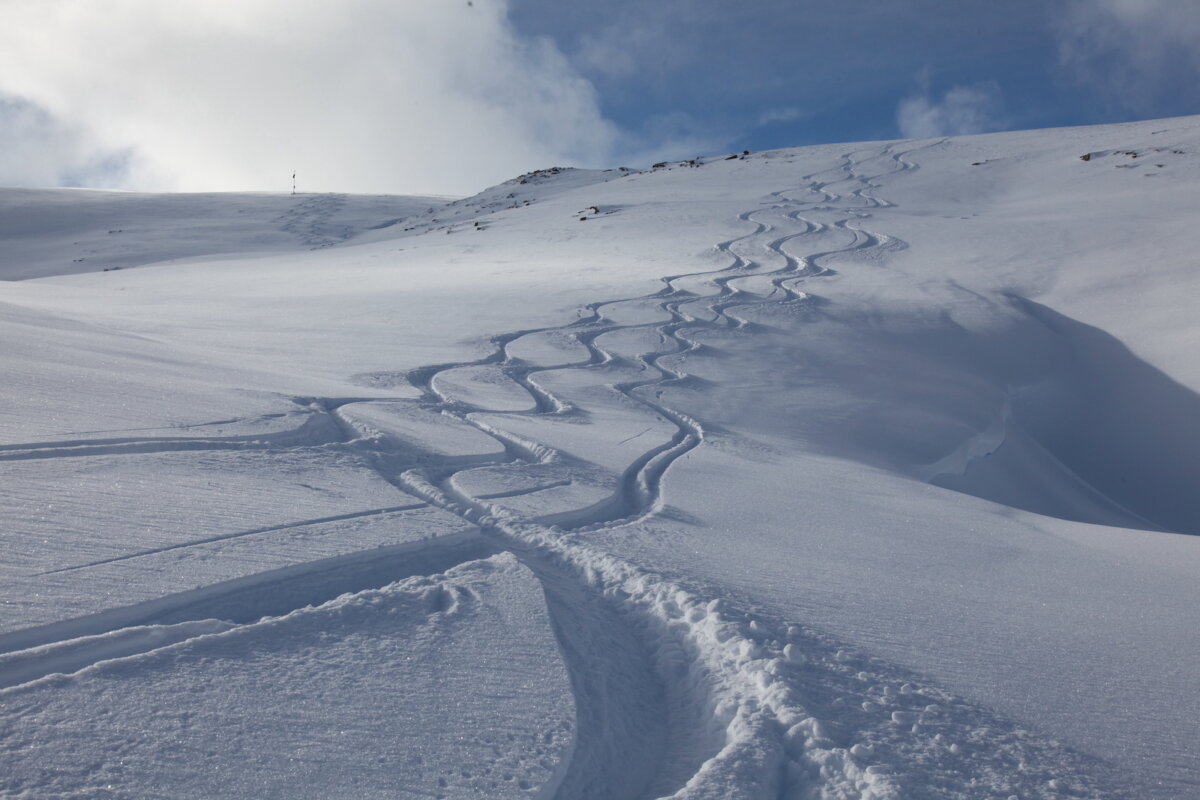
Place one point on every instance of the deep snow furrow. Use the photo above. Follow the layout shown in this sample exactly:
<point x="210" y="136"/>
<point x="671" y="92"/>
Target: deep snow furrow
<point x="628" y="707"/>
<point x="737" y="727"/>
<point x="545" y="401"/>
<point x="73" y="655"/>
<point x="724" y="247"/>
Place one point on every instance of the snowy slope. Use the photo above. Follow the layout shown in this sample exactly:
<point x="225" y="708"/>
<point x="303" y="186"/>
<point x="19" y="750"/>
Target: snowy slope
<point x="845" y="471"/>
<point x="64" y="231"/>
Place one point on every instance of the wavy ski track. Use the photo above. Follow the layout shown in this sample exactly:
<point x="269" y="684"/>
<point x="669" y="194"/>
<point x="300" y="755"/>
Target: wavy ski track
<point x="675" y="697"/>
<point x="737" y="728"/>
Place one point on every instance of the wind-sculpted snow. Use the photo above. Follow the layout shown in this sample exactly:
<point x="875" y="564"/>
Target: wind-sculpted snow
<point x="634" y="587"/>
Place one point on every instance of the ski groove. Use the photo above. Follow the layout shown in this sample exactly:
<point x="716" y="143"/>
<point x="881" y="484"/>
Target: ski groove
<point x="373" y="512"/>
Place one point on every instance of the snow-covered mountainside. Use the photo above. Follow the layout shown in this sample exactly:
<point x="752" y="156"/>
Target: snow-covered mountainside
<point x="64" y="231"/>
<point x="851" y="471"/>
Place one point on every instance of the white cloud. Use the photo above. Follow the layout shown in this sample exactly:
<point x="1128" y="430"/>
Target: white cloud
<point x="357" y="95"/>
<point x="1137" y="53"/>
<point x="961" y="110"/>
<point x="613" y="52"/>
<point x="37" y="150"/>
<point x="638" y="41"/>
<point x="773" y="115"/>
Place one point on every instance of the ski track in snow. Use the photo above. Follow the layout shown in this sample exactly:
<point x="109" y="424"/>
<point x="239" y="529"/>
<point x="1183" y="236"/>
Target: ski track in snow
<point x="676" y="695"/>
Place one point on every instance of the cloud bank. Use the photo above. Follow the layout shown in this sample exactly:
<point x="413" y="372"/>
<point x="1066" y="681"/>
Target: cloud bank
<point x="1139" y="54"/>
<point x="420" y="96"/>
<point x="38" y="150"/>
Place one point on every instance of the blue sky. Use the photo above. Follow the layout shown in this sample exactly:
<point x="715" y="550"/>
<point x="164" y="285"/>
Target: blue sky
<point x="774" y="73"/>
<point x="448" y="96"/>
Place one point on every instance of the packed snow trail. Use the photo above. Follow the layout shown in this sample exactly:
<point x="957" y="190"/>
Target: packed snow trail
<point x="676" y="695"/>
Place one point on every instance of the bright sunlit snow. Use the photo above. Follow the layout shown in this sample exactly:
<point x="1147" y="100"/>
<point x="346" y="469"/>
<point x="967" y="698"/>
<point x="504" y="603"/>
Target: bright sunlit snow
<point x="850" y="471"/>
